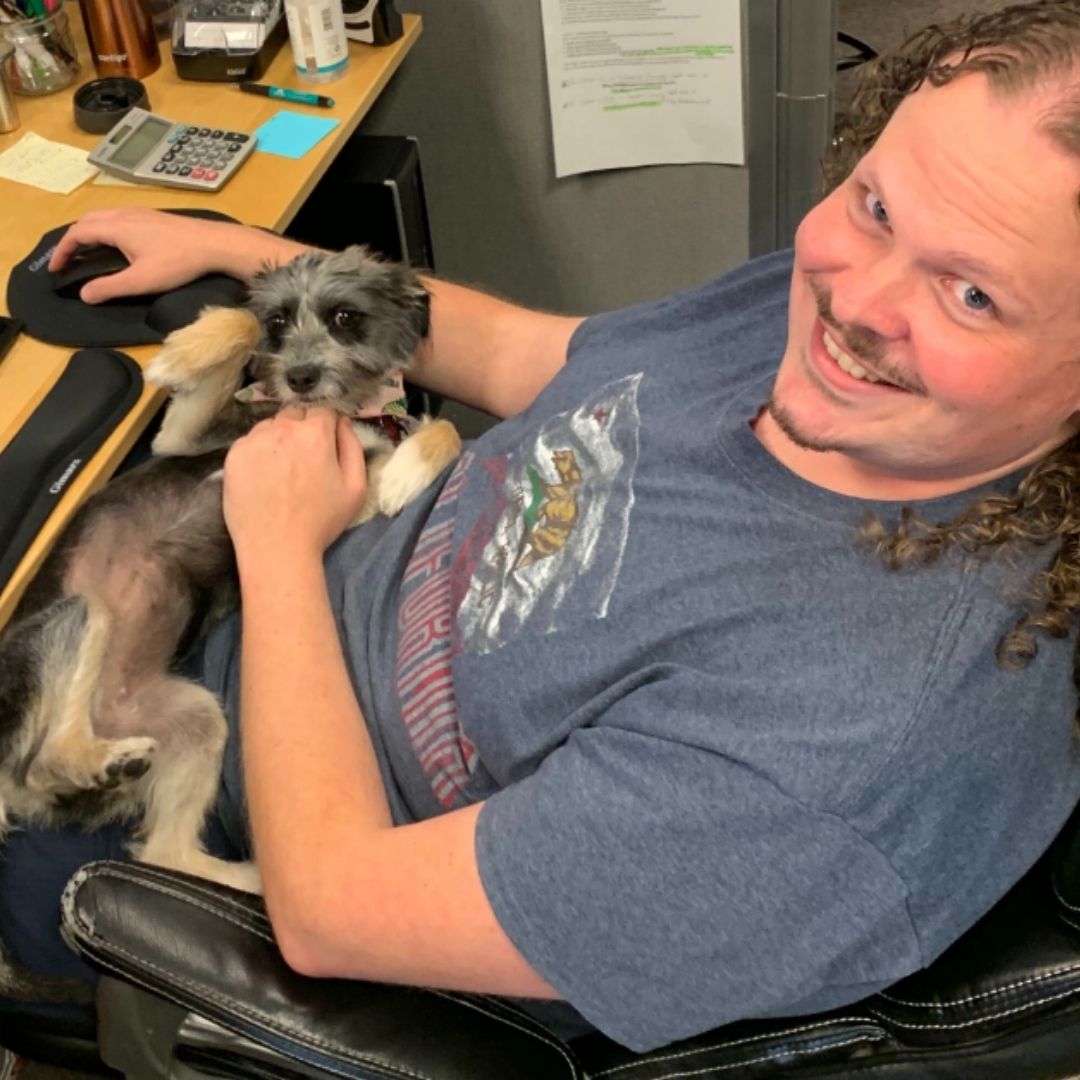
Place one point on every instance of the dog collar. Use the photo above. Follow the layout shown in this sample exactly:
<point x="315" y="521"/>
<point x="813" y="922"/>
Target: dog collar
<point x="387" y="410"/>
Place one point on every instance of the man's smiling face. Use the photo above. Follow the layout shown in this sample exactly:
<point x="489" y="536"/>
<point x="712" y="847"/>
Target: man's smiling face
<point x="934" y="330"/>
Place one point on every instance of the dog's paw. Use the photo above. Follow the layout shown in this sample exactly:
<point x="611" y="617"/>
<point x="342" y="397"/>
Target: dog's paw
<point x="127" y="760"/>
<point x="218" y="337"/>
<point x="415" y="464"/>
<point x="175" y="368"/>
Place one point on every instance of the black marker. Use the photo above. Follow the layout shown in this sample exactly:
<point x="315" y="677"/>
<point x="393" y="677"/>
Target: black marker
<point x="285" y="94"/>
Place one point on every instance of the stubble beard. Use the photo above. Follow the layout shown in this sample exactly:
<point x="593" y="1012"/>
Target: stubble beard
<point x="784" y="420"/>
<point x="859" y="343"/>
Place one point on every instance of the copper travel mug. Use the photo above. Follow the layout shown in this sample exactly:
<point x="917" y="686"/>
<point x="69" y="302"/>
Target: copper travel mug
<point x="121" y="37"/>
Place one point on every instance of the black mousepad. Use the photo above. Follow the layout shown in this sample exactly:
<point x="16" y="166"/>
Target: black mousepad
<point x="93" y="394"/>
<point x="130" y="320"/>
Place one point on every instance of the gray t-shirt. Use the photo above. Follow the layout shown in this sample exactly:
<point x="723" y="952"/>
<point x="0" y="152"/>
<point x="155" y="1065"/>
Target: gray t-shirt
<point x="733" y="767"/>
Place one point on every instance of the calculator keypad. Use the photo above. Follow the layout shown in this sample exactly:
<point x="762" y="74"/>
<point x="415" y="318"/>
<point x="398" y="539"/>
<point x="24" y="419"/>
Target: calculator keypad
<point x="184" y="155"/>
<point x="199" y="154"/>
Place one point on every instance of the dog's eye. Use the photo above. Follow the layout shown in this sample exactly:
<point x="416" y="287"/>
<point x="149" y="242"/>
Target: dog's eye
<point x="276" y="325"/>
<point x="347" y="319"/>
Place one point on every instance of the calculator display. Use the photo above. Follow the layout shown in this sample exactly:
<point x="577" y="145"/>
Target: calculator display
<point x="137" y="146"/>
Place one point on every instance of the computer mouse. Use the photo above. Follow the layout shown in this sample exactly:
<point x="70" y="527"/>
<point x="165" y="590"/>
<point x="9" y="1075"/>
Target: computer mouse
<point x="86" y="262"/>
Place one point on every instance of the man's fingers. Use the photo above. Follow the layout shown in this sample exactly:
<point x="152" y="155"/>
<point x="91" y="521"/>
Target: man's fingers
<point x="122" y="283"/>
<point x="86" y="231"/>
<point x="350" y="455"/>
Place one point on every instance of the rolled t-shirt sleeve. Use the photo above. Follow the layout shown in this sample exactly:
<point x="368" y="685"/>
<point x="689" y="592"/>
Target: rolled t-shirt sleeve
<point x="664" y="888"/>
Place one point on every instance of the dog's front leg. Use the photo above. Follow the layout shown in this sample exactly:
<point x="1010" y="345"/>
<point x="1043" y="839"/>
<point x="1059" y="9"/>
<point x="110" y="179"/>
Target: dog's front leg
<point x="414" y="465"/>
<point x="202" y="365"/>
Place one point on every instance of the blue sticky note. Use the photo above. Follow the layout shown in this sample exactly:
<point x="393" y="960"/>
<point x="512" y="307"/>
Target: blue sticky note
<point x="292" y="134"/>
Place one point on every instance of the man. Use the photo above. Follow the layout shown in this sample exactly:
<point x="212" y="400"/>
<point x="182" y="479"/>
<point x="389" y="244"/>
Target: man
<point x="622" y="714"/>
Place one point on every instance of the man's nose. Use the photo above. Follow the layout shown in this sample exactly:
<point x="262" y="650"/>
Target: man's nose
<point x="873" y="296"/>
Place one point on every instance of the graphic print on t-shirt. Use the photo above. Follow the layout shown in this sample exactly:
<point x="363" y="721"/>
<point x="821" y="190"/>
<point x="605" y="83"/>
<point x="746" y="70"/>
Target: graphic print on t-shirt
<point x="552" y="528"/>
<point x="425" y="683"/>
<point x="552" y="541"/>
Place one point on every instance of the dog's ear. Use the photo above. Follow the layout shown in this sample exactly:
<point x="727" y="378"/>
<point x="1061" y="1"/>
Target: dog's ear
<point x="398" y="284"/>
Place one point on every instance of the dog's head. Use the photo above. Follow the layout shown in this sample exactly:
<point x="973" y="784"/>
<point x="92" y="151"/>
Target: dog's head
<point x="334" y="324"/>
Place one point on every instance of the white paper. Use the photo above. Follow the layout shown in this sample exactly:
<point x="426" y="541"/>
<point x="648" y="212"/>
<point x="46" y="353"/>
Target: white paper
<point x="45" y="164"/>
<point x="644" y="82"/>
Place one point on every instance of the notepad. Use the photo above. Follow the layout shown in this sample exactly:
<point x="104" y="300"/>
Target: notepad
<point x="292" y="134"/>
<point x="42" y="163"/>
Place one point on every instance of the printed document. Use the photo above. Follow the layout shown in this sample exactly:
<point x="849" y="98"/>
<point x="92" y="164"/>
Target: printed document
<point x="644" y="82"/>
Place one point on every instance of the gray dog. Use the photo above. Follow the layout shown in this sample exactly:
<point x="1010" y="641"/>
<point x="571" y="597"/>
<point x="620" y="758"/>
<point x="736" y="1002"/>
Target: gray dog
<point x="95" y="725"/>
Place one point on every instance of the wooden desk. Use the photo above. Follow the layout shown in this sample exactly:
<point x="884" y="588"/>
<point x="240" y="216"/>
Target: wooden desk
<point x="267" y="191"/>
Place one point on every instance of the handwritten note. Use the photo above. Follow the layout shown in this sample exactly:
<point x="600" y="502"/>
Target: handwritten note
<point x="644" y="82"/>
<point x="45" y="164"/>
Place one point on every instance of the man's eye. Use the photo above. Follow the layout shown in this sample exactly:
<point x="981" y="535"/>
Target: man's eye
<point x="876" y="208"/>
<point x="972" y="297"/>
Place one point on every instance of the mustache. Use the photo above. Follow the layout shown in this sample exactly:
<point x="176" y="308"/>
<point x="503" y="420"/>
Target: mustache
<point x="859" y="342"/>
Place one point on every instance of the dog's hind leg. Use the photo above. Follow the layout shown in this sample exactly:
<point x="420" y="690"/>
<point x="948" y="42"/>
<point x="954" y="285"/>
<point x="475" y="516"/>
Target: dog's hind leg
<point x="65" y="754"/>
<point x="184" y="784"/>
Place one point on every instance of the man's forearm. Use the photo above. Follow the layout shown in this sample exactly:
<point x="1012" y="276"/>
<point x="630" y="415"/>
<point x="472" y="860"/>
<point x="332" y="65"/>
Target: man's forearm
<point x="488" y="353"/>
<point x="243" y="251"/>
<point x="311" y="777"/>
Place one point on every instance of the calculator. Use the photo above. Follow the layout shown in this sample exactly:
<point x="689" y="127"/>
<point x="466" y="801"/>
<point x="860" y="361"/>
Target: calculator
<point x="149" y="149"/>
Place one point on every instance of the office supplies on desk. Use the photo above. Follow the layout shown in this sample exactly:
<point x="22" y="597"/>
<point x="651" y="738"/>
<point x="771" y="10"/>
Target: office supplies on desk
<point x="150" y="149"/>
<point x="9" y="111"/>
<point x="48" y="304"/>
<point x="121" y="37"/>
<point x="291" y="134"/>
<point x="44" y="164"/>
<point x="102" y="103"/>
<point x="44" y="57"/>
<point x="374" y="22"/>
<point x="317" y="35"/>
<point x="86" y="263"/>
<point x="283" y="93"/>
<point x="96" y="389"/>
<point x="226" y="40"/>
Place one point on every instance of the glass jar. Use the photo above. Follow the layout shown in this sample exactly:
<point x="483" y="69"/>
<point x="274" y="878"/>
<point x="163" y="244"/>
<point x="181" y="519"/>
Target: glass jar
<point x="43" y="58"/>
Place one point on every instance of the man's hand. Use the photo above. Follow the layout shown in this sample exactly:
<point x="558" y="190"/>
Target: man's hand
<point x="168" y="250"/>
<point x="293" y="484"/>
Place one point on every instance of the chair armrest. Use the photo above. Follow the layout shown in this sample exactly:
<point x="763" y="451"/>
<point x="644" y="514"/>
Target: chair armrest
<point x="208" y="948"/>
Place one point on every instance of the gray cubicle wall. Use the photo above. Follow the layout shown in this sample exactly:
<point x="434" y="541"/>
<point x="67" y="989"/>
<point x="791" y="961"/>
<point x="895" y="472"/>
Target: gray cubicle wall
<point x="474" y="93"/>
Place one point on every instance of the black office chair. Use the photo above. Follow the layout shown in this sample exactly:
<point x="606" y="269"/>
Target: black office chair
<point x="196" y="987"/>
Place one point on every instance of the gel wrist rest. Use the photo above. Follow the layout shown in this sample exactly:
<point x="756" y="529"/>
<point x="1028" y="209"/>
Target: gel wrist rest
<point x="50" y="307"/>
<point x="93" y="394"/>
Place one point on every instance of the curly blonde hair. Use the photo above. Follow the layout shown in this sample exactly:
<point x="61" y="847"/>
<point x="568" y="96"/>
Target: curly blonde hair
<point x="1016" y="49"/>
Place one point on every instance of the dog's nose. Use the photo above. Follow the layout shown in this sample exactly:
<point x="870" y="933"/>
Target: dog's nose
<point x="302" y="379"/>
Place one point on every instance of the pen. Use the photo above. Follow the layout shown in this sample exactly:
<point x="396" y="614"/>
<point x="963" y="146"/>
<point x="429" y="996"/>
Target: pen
<point x="299" y="96"/>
